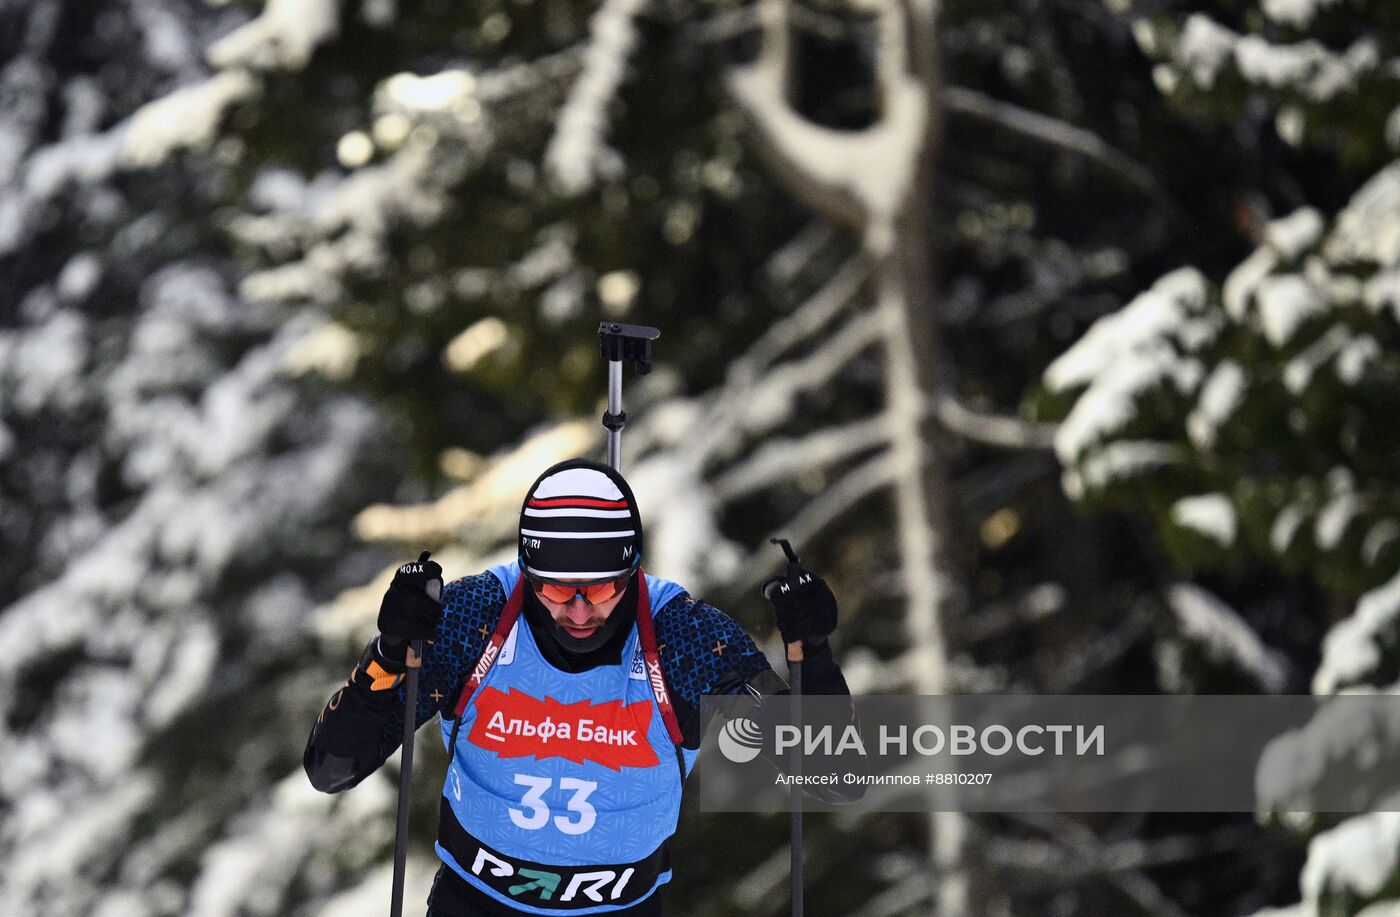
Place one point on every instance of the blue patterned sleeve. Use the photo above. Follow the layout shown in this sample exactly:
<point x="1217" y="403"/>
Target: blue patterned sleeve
<point x="705" y="651"/>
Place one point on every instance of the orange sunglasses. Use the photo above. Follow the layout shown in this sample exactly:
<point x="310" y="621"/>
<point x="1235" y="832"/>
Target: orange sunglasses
<point x="593" y="593"/>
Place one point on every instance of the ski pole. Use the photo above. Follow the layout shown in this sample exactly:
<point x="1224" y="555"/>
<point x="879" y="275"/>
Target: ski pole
<point x="622" y="344"/>
<point x="794" y="660"/>
<point x="794" y="657"/>
<point x="413" y="658"/>
<point x="410" y="716"/>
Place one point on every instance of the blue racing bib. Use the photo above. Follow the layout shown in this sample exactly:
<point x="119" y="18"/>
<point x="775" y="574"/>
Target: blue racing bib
<point x="564" y="788"/>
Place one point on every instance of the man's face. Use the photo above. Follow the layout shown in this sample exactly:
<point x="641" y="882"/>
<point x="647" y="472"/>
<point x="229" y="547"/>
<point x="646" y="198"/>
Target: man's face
<point x="576" y="617"/>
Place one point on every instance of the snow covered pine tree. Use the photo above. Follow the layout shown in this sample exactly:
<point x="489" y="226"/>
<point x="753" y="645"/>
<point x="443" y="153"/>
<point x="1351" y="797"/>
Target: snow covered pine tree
<point x="1256" y="419"/>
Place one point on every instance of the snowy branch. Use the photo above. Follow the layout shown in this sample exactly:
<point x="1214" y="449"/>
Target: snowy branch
<point x="811" y="318"/>
<point x="1051" y="131"/>
<point x="991" y="430"/>
<point x="859" y="178"/>
<point x="1073" y="670"/>
<point x="577" y="151"/>
<point x="771" y="399"/>
<point x="782" y="459"/>
<point x="904" y="897"/>
<point x="1036" y="605"/>
<point x="850" y="489"/>
<point x="506" y="83"/>
<point x="790" y="262"/>
<point x="188" y="118"/>
<point x="283" y="37"/>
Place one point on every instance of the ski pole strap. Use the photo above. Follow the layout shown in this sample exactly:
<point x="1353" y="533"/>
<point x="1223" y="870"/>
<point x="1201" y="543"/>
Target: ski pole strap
<point x="652" y="655"/>
<point x="509" y="614"/>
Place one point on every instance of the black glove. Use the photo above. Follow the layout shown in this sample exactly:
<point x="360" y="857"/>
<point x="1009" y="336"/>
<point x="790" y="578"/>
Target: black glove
<point x="411" y="609"/>
<point x="802" y="603"/>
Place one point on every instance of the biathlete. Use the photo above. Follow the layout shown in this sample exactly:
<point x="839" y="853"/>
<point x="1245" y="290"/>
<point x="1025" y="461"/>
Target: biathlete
<point x="568" y="687"/>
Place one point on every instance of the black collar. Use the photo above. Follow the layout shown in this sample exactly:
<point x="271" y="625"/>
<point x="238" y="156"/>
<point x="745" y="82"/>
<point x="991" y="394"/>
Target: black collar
<point x="569" y="654"/>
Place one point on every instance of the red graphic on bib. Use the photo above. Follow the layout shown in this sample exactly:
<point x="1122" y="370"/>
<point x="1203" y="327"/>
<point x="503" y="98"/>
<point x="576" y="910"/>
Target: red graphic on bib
<point x="516" y="725"/>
